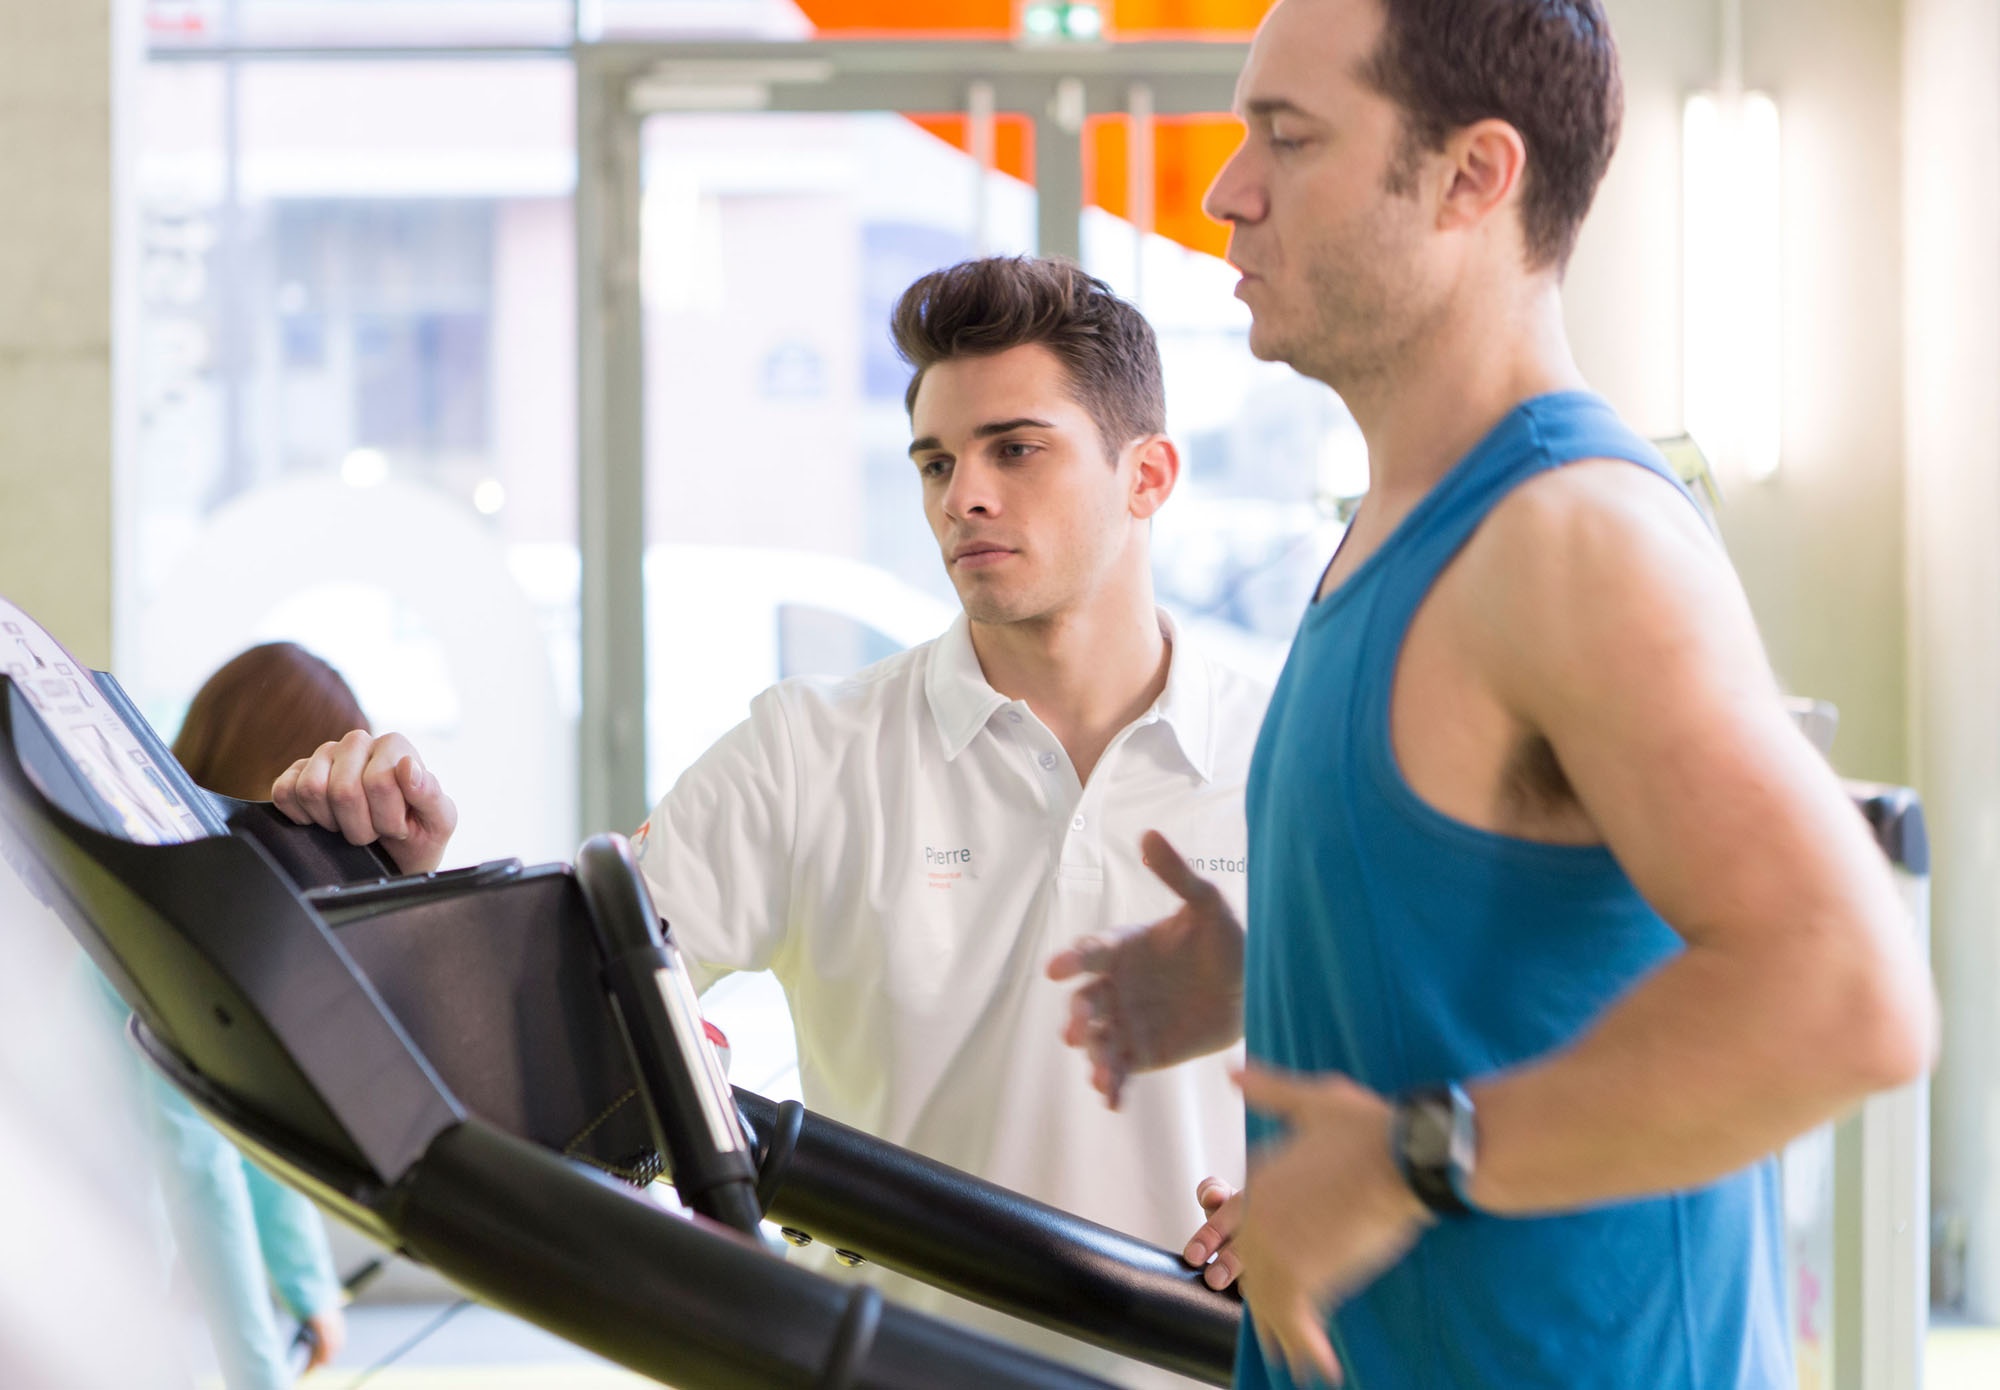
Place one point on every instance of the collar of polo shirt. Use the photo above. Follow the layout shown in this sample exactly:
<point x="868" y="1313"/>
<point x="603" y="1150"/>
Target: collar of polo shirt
<point x="963" y="702"/>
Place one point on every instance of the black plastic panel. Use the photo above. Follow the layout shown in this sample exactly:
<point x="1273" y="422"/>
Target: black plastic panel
<point x="311" y="857"/>
<point x="1895" y="815"/>
<point x="214" y="951"/>
<point x="497" y="984"/>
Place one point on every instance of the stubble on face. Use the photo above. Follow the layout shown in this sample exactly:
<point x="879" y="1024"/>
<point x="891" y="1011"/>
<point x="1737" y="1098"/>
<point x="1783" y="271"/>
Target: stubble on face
<point x="1365" y="296"/>
<point x="1349" y="224"/>
<point x="1060" y="568"/>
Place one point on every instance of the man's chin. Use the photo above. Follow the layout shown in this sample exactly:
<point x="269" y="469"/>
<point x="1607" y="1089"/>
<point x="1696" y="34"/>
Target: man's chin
<point x="990" y="609"/>
<point x="989" y="614"/>
<point x="1265" y="343"/>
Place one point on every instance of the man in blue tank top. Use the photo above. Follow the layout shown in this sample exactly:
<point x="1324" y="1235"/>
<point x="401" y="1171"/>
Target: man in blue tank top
<point x="1558" y="928"/>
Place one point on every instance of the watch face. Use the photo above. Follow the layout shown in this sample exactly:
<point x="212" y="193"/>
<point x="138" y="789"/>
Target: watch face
<point x="1436" y="1147"/>
<point x="1429" y="1143"/>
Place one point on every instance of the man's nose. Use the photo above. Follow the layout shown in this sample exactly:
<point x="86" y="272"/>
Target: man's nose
<point x="971" y="491"/>
<point x="1233" y="196"/>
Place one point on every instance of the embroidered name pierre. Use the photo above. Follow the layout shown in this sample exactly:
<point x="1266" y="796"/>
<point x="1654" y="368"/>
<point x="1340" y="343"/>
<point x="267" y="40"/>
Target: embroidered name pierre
<point x="944" y="868"/>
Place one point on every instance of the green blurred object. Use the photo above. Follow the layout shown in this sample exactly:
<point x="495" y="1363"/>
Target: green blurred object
<point x="1691" y="466"/>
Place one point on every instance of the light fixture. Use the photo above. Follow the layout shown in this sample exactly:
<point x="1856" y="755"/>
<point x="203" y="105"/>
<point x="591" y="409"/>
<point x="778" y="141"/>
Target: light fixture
<point x="1733" y="280"/>
<point x="488" y="496"/>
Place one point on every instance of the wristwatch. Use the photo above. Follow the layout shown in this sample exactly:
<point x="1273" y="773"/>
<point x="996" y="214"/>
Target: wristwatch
<point x="1435" y="1139"/>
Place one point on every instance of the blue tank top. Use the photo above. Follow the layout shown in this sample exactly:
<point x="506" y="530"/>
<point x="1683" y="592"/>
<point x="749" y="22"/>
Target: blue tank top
<point x="1401" y="947"/>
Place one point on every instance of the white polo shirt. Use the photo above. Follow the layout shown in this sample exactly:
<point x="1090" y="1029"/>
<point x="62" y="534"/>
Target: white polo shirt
<point x="905" y="849"/>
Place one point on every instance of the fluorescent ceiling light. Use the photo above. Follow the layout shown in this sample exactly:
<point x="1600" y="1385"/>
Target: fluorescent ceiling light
<point x="1733" y="280"/>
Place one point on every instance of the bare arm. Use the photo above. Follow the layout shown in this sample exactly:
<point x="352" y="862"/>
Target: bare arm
<point x="1622" y="637"/>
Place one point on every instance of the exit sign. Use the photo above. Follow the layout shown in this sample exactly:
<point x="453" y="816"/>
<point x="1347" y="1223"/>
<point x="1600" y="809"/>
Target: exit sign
<point x="1062" y="21"/>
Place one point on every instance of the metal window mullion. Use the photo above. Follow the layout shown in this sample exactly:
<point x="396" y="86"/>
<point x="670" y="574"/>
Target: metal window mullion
<point x="1140" y="180"/>
<point x="981" y="145"/>
<point x="611" y="761"/>
<point x="1059" y="172"/>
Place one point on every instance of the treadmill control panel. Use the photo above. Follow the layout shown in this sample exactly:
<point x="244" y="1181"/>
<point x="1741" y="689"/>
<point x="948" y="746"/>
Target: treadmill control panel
<point x="128" y="780"/>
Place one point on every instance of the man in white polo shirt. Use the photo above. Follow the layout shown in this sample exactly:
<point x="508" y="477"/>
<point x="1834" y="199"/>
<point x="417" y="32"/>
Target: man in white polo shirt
<point x="905" y="848"/>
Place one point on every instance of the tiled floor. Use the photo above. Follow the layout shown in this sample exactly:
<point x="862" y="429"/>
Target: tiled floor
<point x="475" y="1348"/>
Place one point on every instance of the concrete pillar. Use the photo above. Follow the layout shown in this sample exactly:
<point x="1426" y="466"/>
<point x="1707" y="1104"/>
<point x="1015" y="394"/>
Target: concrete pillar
<point x="65" y="70"/>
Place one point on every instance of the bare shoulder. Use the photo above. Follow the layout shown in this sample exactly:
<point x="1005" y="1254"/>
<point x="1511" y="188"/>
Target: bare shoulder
<point x="1596" y="566"/>
<point x="1595" y="513"/>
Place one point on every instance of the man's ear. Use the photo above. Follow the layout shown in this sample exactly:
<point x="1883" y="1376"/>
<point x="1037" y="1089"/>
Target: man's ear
<point x="1489" y="161"/>
<point x="1156" y="467"/>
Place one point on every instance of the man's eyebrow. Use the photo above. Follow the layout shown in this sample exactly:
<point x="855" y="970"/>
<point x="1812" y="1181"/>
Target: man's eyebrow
<point x="930" y="442"/>
<point x="987" y="431"/>
<point x="1270" y="107"/>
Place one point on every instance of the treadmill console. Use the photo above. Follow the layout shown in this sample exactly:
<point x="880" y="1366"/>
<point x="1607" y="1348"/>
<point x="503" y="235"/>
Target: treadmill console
<point x="117" y="776"/>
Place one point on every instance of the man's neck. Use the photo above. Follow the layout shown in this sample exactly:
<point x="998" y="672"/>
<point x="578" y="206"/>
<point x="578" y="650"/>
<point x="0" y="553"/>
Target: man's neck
<point x="1423" y="413"/>
<point x="1087" y="672"/>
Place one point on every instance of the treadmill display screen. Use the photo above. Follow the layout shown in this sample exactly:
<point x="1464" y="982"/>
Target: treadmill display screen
<point x="97" y="741"/>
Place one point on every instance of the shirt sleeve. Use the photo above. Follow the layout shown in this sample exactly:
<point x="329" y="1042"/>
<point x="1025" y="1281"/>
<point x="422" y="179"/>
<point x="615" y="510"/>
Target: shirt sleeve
<point x="717" y="851"/>
<point x="293" y="1241"/>
<point x="214" y="1229"/>
<point x="209" y="1213"/>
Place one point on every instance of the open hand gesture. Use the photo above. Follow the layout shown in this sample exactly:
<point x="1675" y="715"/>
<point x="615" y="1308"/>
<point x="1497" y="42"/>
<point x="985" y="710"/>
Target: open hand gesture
<point x="1161" y="994"/>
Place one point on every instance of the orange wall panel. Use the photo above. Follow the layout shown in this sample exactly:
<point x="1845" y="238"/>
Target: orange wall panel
<point x="956" y="17"/>
<point x="1208" y="19"/>
<point x="1205" y="18"/>
<point x="1013" y="150"/>
<point x="1187" y="151"/>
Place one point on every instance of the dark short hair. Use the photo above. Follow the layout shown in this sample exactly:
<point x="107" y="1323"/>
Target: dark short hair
<point x="1549" y="68"/>
<point x="261" y="712"/>
<point x="983" y="307"/>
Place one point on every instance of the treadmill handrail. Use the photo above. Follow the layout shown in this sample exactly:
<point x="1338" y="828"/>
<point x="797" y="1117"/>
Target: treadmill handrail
<point x="591" y="1260"/>
<point x="991" y="1245"/>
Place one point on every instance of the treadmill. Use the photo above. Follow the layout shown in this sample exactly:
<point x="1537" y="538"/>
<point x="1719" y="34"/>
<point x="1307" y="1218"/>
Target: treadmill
<point x="483" y="1068"/>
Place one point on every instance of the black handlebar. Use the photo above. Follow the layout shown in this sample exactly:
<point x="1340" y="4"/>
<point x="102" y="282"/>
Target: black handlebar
<point x="985" y="1243"/>
<point x="669" y="1298"/>
<point x="688" y="1106"/>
